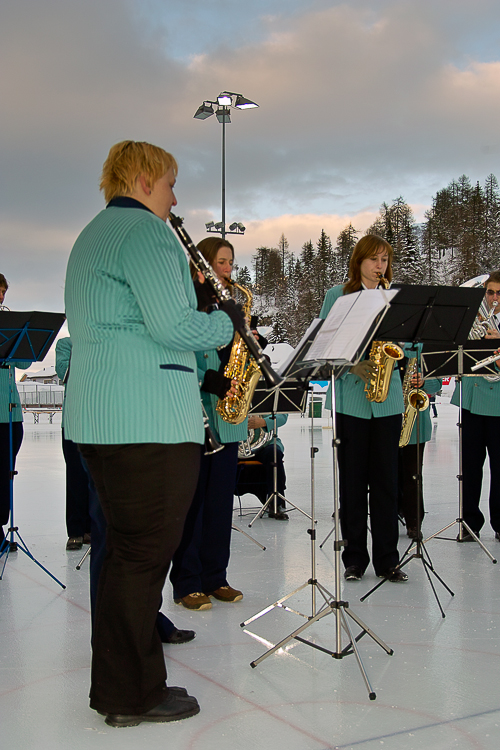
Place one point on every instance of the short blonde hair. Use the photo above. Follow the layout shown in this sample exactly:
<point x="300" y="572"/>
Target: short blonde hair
<point x="129" y="159"/>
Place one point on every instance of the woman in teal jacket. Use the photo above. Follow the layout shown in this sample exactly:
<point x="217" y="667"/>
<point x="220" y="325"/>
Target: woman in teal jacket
<point x="199" y="566"/>
<point x="369" y="438"/>
<point x="133" y="406"/>
<point x="17" y="430"/>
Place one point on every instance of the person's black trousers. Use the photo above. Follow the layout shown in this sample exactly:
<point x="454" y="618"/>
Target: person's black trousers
<point x="201" y="561"/>
<point x="17" y="439"/>
<point x="368" y="472"/>
<point x="480" y="435"/>
<point x="145" y="491"/>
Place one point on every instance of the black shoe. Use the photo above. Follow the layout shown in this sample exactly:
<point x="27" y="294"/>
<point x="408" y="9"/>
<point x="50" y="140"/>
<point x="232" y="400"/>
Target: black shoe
<point x="179" y="636"/>
<point x="353" y="573"/>
<point x="497" y="536"/>
<point x="394" y="575"/>
<point x="280" y="515"/>
<point x="466" y="537"/>
<point x="413" y="533"/>
<point x="74" y="542"/>
<point x="173" y="708"/>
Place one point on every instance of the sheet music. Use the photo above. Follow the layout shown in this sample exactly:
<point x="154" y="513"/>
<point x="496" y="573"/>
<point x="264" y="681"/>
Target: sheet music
<point x="344" y="330"/>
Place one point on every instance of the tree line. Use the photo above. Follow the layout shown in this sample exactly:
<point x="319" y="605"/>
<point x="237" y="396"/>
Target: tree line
<point x="458" y="240"/>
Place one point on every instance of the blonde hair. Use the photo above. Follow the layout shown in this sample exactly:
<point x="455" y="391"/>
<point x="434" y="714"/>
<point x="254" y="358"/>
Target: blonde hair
<point x="129" y="159"/>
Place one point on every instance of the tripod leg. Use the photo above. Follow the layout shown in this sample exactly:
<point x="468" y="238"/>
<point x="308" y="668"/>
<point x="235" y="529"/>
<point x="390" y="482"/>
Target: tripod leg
<point x="345" y="625"/>
<point x="235" y="528"/>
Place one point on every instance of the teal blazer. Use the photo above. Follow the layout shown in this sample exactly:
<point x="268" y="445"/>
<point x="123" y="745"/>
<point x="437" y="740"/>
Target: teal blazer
<point x="17" y="412"/>
<point x="479" y="396"/>
<point x="350" y="394"/>
<point x="224" y="431"/>
<point x="132" y="318"/>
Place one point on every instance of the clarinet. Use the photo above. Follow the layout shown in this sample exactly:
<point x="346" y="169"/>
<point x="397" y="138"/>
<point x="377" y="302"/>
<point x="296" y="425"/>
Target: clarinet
<point x="273" y="380"/>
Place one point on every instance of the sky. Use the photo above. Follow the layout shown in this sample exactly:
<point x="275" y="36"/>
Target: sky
<point x="359" y="102"/>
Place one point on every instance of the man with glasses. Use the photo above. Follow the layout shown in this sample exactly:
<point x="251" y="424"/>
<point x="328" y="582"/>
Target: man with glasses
<point x="481" y="434"/>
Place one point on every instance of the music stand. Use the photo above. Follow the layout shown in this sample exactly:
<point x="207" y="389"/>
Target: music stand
<point x="308" y="365"/>
<point x="424" y="314"/>
<point x="450" y="360"/>
<point x="288" y="397"/>
<point x="24" y="337"/>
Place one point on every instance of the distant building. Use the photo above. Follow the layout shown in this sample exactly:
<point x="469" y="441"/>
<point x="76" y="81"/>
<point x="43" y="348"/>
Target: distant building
<point x="47" y="376"/>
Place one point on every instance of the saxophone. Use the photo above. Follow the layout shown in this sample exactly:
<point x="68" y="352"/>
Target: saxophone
<point x="383" y="354"/>
<point x="415" y="399"/>
<point x="241" y="367"/>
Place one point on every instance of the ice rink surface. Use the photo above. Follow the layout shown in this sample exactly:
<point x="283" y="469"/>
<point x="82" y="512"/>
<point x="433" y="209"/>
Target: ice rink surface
<point x="437" y="691"/>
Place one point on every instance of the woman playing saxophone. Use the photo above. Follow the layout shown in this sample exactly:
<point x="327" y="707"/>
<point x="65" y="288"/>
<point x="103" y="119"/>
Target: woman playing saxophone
<point x="199" y="567"/>
<point x="369" y="437"/>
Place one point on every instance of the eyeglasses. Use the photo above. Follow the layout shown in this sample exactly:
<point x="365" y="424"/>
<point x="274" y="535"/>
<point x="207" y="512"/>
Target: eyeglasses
<point x="492" y="292"/>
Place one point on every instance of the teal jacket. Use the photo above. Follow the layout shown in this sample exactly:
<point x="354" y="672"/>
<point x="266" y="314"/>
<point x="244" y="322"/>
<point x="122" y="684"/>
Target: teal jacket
<point x="479" y="396"/>
<point x="431" y="387"/>
<point x="17" y="412"/>
<point x="350" y="394"/>
<point x="134" y="326"/>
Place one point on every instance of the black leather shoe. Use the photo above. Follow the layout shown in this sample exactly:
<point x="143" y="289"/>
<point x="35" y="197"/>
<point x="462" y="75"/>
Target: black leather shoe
<point x="179" y="636"/>
<point x="173" y="708"/>
<point x="394" y="575"/>
<point x="353" y="573"/>
<point x="466" y="537"/>
<point x="280" y="515"/>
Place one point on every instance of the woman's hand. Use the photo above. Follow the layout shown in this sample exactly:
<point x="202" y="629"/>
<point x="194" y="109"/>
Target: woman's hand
<point x="255" y="422"/>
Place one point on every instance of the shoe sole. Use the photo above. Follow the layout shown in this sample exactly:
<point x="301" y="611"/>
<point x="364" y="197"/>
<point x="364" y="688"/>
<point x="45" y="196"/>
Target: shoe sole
<point x="132" y="721"/>
<point x="193" y="609"/>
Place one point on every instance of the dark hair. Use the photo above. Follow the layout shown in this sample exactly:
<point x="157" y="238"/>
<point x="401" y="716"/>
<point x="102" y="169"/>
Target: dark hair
<point x="3" y="282"/>
<point x="209" y="248"/>
<point x="494" y="277"/>
<point x="366" y="247"/>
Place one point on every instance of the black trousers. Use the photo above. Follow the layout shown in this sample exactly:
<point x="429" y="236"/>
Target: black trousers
<point x="145" y="491"/>
<point x="17" y="439"/>
<point x="201" y="561"/>
<point x="77" y="490"/>
<point x="368" y="472"/>
<point x="409" y="467"/>
<point x="480" y="434"/>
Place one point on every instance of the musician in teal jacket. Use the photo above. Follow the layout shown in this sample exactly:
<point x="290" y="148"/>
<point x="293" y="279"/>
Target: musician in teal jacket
<point x="199" y="566"/>
<point x="133" y="406"/>
<point x="481" y="435"/>
<point x="369" y="437"/>
<point x="17" y="428"/>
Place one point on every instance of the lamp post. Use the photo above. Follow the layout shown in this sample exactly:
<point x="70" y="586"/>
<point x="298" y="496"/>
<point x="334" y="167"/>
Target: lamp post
<point x="225" y="101"/>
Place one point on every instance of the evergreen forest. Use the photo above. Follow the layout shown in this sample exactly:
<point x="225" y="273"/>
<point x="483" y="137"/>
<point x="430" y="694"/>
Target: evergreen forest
<point x="458" y="240"/>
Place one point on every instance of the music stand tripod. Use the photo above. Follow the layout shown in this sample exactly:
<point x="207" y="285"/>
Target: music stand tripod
<point x="24" y="337"/>
<point x="289" y="397"/>
<point x="332" y="604"/>
<point x="424" y="314"/>
<point x="459" y="362"/>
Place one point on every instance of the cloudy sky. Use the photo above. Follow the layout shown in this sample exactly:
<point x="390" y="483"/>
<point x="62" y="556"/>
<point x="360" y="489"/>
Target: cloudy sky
<point x="360" y="102"/>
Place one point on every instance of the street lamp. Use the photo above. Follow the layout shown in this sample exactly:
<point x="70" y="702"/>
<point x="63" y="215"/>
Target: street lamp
<point x="225" y="101"/>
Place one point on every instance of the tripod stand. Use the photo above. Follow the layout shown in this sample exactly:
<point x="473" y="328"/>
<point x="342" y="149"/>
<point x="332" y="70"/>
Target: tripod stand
<point x="416" y="550"/>
<point x="332" y="604"/>
<point x="24" y="337"/>
<point x="286" y="398"/>
<point x="459" y="361"/>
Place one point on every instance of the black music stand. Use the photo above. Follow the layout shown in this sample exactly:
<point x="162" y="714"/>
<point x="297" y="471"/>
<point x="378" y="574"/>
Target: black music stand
<point x="24" y="337"/>
<point x="419" y="315"/>
<point x="457" y="361"/>
<point x="288" y="397"/>
<point x="308" y="370"/>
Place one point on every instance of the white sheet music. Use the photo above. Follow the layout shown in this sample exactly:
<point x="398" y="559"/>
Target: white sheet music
<point x="344" y="330"/>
